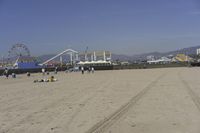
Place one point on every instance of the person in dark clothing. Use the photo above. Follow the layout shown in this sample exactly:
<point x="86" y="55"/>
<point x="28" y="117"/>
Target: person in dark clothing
<point x="56" y="70"/>
<point x="89" y="69"/>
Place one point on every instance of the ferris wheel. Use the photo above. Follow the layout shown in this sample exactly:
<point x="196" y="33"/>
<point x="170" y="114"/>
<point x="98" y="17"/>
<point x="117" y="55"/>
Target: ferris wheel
<point x="18" y="50"/>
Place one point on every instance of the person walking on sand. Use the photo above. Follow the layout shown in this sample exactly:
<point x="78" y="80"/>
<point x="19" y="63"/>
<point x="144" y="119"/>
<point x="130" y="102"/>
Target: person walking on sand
<point x="82" y="70"/>
<point x="89" y="69"/>
<point x="13" y="75"/>
<point x="56" y="70"/>
<point x="92" y="69"/>
<point x="43" y="71"/>
<point x="6" y="73"/>
<point x="28" y="74"/>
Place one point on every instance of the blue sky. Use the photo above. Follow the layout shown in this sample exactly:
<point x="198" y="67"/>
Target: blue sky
<point x="121" y="26"/>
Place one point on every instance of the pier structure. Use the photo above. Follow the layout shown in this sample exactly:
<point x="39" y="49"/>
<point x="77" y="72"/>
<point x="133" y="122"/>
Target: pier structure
<point x="95" y="56"/>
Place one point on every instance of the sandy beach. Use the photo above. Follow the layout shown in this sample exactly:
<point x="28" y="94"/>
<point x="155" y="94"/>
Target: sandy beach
<point x="123" y="101"/>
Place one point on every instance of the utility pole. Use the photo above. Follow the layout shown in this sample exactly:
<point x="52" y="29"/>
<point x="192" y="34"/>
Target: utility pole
<point x="86" y="50"/>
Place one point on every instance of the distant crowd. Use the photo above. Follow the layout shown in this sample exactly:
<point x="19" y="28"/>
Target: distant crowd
<point x="82" y="69"/>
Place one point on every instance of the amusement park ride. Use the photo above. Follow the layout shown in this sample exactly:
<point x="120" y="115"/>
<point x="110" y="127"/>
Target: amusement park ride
<point x="73" y="56"/>
<point x="19" y="57"/>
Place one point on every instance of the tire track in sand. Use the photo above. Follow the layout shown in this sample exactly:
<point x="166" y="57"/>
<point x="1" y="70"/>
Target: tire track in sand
<point x="195" y="98"/>
<point x="110" y="120"/>
<point x="62" y="115"/>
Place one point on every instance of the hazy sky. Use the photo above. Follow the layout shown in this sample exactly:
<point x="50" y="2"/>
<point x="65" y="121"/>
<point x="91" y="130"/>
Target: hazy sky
<point x="121" y="26"/>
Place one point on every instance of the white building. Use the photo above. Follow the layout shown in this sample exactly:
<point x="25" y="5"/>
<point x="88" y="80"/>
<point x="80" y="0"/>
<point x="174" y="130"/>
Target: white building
<point x="162" y="60"/>
<point x="151" y="58"/>
<point x="95" y="56"/>
<point x="198" y="51"/>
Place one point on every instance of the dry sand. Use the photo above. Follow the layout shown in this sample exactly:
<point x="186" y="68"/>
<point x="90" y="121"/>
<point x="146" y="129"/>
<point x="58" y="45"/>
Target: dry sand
<point x="123" y="101"/>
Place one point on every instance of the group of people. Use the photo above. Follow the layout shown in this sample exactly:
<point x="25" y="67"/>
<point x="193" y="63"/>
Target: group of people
<point x="13" y="75"/>
<point x="6" y="73"/>
<point x="51" y="79"/>
<point x="89" y="69"/>
<point x="44" y="72"/>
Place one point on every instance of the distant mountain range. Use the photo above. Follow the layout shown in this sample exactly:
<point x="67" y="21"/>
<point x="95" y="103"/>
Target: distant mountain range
<point x="187" y="51"/>
<point x="120" y="57"/>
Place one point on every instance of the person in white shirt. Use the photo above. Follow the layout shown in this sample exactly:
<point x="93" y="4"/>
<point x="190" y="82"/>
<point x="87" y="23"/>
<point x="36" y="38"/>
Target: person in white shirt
<point x="82" y="70"/>
<point x="92" y="69"/>
<point x="43" y="71"/>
